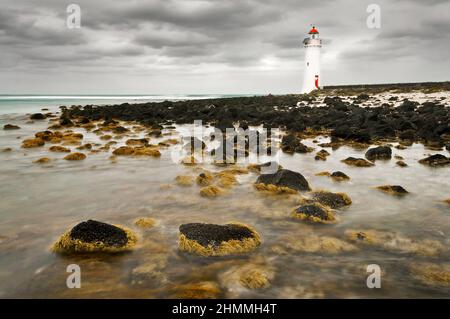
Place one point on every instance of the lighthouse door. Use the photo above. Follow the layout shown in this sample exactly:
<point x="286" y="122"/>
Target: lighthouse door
<point x="316" y="81"/>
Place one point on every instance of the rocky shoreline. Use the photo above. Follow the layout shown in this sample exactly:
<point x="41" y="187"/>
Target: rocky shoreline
<point x="362" y="118"/>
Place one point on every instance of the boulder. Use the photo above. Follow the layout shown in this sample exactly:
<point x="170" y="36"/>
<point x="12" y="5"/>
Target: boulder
<point x="217" y="240"/>
<point x="339" y="176"/>
<point x="358" y="162"/>
<point x="75" y="157"/>
<point x="435" y="160"/>
<point x="314" y="212"/>
<point x="59" y="149"/>
<point x="11" y="127"/>
<point x="401" y="164"/>
<point x="38" y="116"/>
<point x="393" y="189"/>
<point x="285" y="178"/>
<point x="292" y="144"/>
<point x="332" y="200"/>
<point x="95" y="236"/>
<point x="380" y="152"/>
<point x="33" y="142"/>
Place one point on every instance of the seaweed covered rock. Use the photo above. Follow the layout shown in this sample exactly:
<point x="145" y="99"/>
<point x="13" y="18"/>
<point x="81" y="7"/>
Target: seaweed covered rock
<point x="11" y="127"/>
<point x="436" y="275"/>
<point x="33" y="142"/>
<point x="435" y="160"/>
<point x="314" y="212"/>
<point x="124" y="150"/>
<point x="284" y="178"/>
<point x="59" y="149"/>
<point x="184" y="180"/>
<point x="75" y="157"/>
<point x="339" y="176"/>
<point x="145" y="222"/>
<point x="379" y="152"/>
<point x="393" y="189"/>
<point x="42" y="160"/>
<point x="321" y="155"/>
<point x="358" y="162"/>
<point x="95" y="236"/>
<point x="211" y="191"/>
<point x="292" y="144"/>
<point x="217" y="240"/>
<point x="205" y="179"/>
<point x="332" y="200"/>
<point x="197" y="290"/>
<point x="395" y="242"/>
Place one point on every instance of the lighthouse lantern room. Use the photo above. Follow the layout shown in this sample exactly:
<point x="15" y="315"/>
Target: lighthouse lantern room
<point x="312" y="44"/>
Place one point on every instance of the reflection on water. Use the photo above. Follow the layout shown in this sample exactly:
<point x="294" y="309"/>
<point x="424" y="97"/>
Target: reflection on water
<point x="299" y="260"/>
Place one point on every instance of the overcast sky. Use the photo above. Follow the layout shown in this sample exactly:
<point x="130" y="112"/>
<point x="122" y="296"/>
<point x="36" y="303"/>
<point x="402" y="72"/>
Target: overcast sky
<point x="216" y="46"/>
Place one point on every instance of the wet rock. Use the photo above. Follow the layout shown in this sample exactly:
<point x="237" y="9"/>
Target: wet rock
<point x="48" y="136"/>
<point x="393" y="189"/>
<point x="87" y="146"/>
<point x="120" y="130"/>
<point x="75" y="157"/>
<point x="137" y="142"/>
<point x="395" y="242"/>
<point x="205" y="179"/>
<point x="332" y="200"/>
<point x="42" y="160"/>
<point x="251" y="276"/>
<point x="197" y="290"/>
<point x="124" y="150"/>
<point x="184" y="180"/>
<point x="398" y="157"/>
<point x="447" y="201"/>
<point x="37" y="116"/>
<point x="272" y="166"/>
<point x="211" y="191"/>
<point x="380" y="152"/>
<point x="11" y="127"/>
<point x="447" y="146"/>
<point x="432" y="274"/>
<point x="105" y="137"/>
<point x="6" y="150"/>
<point x="401" y="164"/>
<point x="285" y="178"/>
<point x="217" y="240"/>
<point x="33" y="142"/>
<point x="292" y="144"/>
<point x="358" y="162"/>
<point x="322" y="155"/>
<point x="150" y="273"/>
<point x="59" y="149"/>
<point x="146" y="151"/>
<point x="145" y="222"/>
<point x="435" y="160"/>
<point x="314" y="212"/>
<point x="95" y="236"/>
<point x="339" y="176"/>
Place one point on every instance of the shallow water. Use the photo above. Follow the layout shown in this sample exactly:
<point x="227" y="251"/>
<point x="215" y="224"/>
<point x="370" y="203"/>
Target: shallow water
<point x="40" y="202"/>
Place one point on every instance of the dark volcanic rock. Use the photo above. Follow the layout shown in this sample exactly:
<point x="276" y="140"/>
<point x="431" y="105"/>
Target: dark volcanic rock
<point x="435" y="160"/>
<point x="338" y="175"/>
<point x="38" y="116"/>
<point x="393" y="189"/>
<point x="285" y="178"/>
<point x="94" y="231"/>
<point x="312" y="210"/>
<point x="211" y="234"/>
<point x="447" y="146"/>
<point x="333" y="200"/>
<point x="380" y="152"/>
<point x="292" y="144"/>
<point x="11" y="127"/>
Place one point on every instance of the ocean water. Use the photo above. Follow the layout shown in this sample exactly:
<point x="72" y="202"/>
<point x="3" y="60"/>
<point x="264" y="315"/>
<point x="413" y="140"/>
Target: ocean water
<point x="301" y="260"/>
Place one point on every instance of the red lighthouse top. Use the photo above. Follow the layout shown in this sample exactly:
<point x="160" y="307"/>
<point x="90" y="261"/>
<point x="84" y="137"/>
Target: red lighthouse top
<point x="313" y="31"/>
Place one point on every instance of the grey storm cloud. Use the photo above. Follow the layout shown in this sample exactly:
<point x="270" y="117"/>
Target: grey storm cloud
<point x="238" y="46"/>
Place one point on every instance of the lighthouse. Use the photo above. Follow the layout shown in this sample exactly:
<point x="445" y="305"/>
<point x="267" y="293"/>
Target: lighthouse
<point x="312" y="44"/>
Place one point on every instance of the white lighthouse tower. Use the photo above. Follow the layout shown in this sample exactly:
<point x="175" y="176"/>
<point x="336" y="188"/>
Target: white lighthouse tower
<point x="312" y="78"/>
